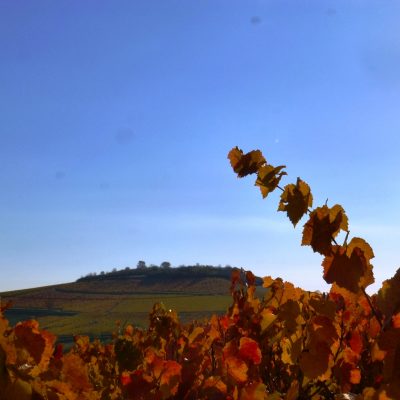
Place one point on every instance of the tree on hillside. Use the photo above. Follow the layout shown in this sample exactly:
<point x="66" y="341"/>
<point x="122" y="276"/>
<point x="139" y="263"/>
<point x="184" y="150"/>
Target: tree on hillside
<point x="141" y="265"/>
<point x="165" y="264"/>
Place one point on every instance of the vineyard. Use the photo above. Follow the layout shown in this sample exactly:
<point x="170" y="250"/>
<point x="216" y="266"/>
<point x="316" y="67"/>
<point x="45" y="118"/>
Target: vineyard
<point x="286" y="344"/>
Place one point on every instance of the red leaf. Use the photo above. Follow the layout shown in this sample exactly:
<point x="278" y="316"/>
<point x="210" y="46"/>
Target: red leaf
<point x="249" y="350"/>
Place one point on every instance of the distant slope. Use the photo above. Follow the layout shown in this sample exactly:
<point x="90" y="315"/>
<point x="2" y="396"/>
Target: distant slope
<point x="92" y="304"/>
<point x="188" y="280"/>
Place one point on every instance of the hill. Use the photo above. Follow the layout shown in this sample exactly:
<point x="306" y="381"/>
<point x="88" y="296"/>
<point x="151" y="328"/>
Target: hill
<point x="199" y="279"/>
<point x="92" y="304"/>
<point x="194" y="280"/>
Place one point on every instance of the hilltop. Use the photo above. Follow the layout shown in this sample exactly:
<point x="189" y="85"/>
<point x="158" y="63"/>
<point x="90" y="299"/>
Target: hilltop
<point x="197" y="279"/>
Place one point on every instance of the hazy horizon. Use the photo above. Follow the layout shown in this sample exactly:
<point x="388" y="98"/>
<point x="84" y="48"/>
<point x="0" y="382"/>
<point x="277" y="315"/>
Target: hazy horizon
<point x="117" y="118"/>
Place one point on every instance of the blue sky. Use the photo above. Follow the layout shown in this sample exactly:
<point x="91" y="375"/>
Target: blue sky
<point x="116" y="119"/>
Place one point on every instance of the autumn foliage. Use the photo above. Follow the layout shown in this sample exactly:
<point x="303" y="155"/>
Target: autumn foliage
<point x="289" y="344"/>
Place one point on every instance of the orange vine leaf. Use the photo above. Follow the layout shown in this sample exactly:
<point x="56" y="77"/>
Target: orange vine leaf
<point x="350" y="271"/>
<point x="237" y="368"/>
<point x="245" y="164"/>
<point x="388" y="298"/>
<point x="295" y="200"/>
<point x="268" y="178"/>
<point x="323" y="225"/>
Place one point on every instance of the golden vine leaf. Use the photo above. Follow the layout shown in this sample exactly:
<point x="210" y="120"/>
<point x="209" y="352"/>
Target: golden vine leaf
<point x="351" y="271"/>
<point x="323" y="225"/>
<point x="268" y="178"/>
<point x="245" y="164"/>
<point x="75" y="371"/>
<point x="388" y="297"/>
<point x="295" y="200"/>
<point x="316" y="360"/>
<point x="237" y="369"/>
<point x="170" y="378"/>
<point x="362" y="245"/>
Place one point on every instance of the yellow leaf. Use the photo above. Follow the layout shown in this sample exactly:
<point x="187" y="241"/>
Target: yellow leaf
<point x="215" y="382"/>
<point x="355" y="376"/>
<point x="396" y="320"/>
<point x="237" y="369"/>
<point x="196" y="332"/>
<point x="268" y="178"/>
<point x="268" y="317"/>
<point x="362" y="245"/>
<point x="267" y="281"/>
<point x="376" y="353"/>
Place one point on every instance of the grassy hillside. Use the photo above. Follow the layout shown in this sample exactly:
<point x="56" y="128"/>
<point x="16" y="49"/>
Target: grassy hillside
<point x="92" y="304"/>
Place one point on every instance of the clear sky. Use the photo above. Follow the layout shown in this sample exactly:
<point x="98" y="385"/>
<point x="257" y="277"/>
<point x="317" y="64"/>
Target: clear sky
<point x="116" y="118"/>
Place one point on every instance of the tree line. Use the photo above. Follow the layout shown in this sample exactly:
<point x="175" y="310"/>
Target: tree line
<point x="164" y="269"/>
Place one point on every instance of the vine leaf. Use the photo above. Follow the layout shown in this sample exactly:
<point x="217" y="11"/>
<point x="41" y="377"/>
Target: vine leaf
<point x="267" y="281"/>
<point x="356" y="342"/>
<point x="293" y="392"/>
<point x="316" y="361"/>
<point x="267" y="318"/>
<point x="349" y="270"/>
<point x="170" y="378"/>
<point x="245" y="164"/>
<point x="388" y="297"/>
<point x="295" y="200"/>
<point x="28" y="336"/>
<point x="253" y="391"/>
<point x="215" y="383"/>
<point x="396" y="320"/>
<point x="389" y="342"/>
<point x="237" y="369"/>
<point x="323" y="225"/>
<point x="325" y="307"/>
<point x="39" y="344"/>
<point x="249" y="350"/>
<point x="268" y="178"/>
<point x="288" y="314"/>
<point x="75" y="369"/>
<point x="361" y="244"/>
<point x="355" y="376"/>
<point x="291" y="348"/>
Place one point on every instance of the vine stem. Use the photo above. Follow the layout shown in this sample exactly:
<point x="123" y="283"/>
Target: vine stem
<point x="345" y="239"/>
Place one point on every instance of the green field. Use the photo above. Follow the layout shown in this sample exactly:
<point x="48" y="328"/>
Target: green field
<point x="99" y="316"/>
<point x="95" y="315"/>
